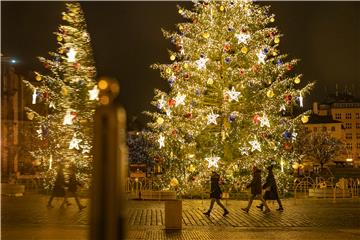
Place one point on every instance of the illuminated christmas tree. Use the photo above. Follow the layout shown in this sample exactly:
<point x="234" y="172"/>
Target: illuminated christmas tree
<point x="231" y="100"/>
<point x="64" y="100"/>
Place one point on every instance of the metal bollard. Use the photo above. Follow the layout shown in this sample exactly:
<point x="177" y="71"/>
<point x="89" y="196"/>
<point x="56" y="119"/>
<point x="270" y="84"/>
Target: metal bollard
<point x="108" y="206"/>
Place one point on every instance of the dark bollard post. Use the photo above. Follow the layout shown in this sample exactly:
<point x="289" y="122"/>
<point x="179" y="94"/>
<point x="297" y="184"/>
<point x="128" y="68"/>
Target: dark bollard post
<point x="108" y="210"/>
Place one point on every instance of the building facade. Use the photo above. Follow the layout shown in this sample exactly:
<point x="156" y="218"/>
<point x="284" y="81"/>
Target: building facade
<point x="340" y="116"/>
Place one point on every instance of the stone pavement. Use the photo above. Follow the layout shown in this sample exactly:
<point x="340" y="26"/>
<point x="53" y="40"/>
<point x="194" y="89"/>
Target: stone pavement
<point x="28" y="218"/>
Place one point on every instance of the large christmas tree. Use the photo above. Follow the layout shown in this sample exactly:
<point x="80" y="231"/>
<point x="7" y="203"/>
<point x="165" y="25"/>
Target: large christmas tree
<point x="231" y="100"/>
<point x="64" y="100"/>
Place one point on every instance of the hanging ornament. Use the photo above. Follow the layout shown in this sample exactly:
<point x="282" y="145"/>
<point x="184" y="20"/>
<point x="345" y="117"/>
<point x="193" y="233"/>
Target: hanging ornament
<point x="210" y="81"/>
<point x="34" y="95"/>
<point x="244" y="50"/>
<point x="168" y="70"/>
<point x="227" y="47"/>
<point x="270" y="93"/>
<point x="64" y="90"/>
<point x="264" y="121"/>
<point x="213" y="161"/>
<point x="39" y="132"/>
<point x="174" y="182"/>
<point x="276" y="40"/>
<point x="211" y="118"/>
<point x="289" y="67"/>
<point x="242" y="37"/>
<point x="172" y="57"/>
<point x="71" y="54"/>
<point x="206" y="35"/>
<point x="179" y="99"/>
<point x="222" y="8"/>
<point x="188" y="115"/>
<point x="272" y="19"/>
<point x="191" y="168"/>
<point x="176" y="67"/>
<point x="38" y="77"/>
<point x="161" y="103"/>
<point x="85" y="148"/>
<point x="46" y="96"/>
<point x="279" y="62"/>
<point x="232" y="116"/>
<point x="30" y="115"/>
<point x="52" y="105"/>
<point x="168" y="112"/>
<point x="261" y="56"/>
<point x="59" y="38"/>
<point x="161" y="141"/>
<point x="244" y="150"/>
<point x="287" y="135"/>
<point x="46" y="65"/>
<point x="301" y="100"/>
<point x="282" y="109"/>
<point x="74" y="143"/>
<point x="256" y="119"/>
<point x="171" y="102"/>
<point x="288" y="98"/>
<point x="94" y="93"/>
<point x="186" y="66"/>
<point x="201" y="63"/>
<point x="305" y="119"/>
<point x="233" y="94"/>
<point x="227" y="60"/>
<point x="297" y="80"/>
<point x="255" y="145"/>
<point x="160" y="120"/>
<point x="69" y="117"/>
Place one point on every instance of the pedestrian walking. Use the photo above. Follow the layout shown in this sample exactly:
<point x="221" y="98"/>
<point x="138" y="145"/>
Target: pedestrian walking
<point x="72" y="187"/>
<point x="255" y="186"/>
<point x="271" y="192"/>
<point x="215" y="194"/>
<point x="59" y="187"/>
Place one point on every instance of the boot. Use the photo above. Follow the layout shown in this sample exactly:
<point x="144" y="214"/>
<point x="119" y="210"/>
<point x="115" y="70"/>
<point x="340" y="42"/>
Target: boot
<point x="226" y="212"/>
<point x="260" y="207"/>
<point x="245" y="210"/>
<point x="207" y="213"/>
<point x="280" y="209"/>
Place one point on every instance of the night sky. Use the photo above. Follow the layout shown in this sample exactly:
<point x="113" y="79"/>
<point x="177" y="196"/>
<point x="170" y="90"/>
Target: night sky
<point x="126" y="39"/>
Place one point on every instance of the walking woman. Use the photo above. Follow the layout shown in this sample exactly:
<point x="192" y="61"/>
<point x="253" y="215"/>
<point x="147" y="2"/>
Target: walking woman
<point x="72" y="187"/>
<point x="272" y="192"/>
<point x="215" y="194"/>
<point x="59" y="187"/>
<point x="255" y="186"/>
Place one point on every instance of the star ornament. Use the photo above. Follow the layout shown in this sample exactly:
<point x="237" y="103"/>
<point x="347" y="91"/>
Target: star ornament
<point x="161" y="141"/>
<point x="242" y="37"/>
<point x="94" y="93"/>
<point x="255" y="145"/>
<point x="261" y="57"/>
<point x="201" y="63"/>
<point x="233" y="94"/>
<point x="211" y="118"/>
<point x="74" y="143"/>
<point x="68" y="119"/>
<point x="71" y="55"/>
<point x="212" y="161"/>
<point x="244" y="150"/>
<point x="161" y="103"/>
<point x="264" y="121"/>
<point x="179" y="99"/>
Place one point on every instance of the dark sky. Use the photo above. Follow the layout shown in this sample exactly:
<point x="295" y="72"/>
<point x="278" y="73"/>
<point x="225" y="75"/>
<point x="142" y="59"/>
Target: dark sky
<point x="126" y="39"/>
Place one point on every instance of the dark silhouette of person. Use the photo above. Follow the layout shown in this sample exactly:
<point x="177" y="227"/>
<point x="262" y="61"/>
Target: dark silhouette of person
<point x="215" y="194"/>
<point x="72" y="187"/>
<point x="255" y="186"/>
<point x="272" y="192"/>
<point x="59" y="187"/>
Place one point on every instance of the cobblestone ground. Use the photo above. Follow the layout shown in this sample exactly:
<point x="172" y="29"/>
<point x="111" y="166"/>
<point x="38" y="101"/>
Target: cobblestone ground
<point x="28" y="218"/>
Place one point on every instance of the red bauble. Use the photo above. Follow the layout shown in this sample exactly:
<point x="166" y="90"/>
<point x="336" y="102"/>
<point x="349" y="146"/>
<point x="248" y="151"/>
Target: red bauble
<point x="289" y="67"/>
<point x="254" y="68"/>
<point x="77" y="65"/>
<point x="186" y="75"/>
<point x="46" y="65"/>
<point x="174" y="132"/>
<point x="46" y="96"/>
<point x="288" y="99"/>
<point x="171" y="102"/>
<point x="188" y="115"/>
<point x="256" y="119"/>
<point x="242" y="72"/>
<point x="227" y="47"/>
<point x="74" y="115"/>
<point x="176" y="68"/>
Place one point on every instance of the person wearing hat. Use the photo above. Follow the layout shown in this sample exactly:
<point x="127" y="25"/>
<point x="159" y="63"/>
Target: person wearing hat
<point x="215" y="194"/>
<point x="255" y="186"/>
<point x="271" y="192"/>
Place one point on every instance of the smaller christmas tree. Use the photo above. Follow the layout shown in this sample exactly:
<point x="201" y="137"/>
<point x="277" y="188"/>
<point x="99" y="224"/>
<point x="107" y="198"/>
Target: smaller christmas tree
<point x="64" y="100"/>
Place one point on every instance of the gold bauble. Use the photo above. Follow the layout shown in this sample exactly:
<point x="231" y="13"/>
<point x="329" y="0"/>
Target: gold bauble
<point x="59" y="38"/>
<point x="244" y="50"/>
<point x="160" y="121"/>
<point x="270" y="94"/>
<point x="272" y="19"/>
<point x="38" y="78"/>
<point x="30" y="115"/>
<point x="210" y="81"/>
<point x="274" y="53"/>
<point x="305" y="119"/>
<point x="168" y="70"/>
<point x="206" y="35"/>
<point x="172" y="57"/>
<point x="276" y="40"/>
<point x="297" y="80"/>
<point x="186" y="65"/>
<point x="191" y="168"/>
<point x="180" y="11"/>
<point x="222" y="8"/>
<point x="64" y="91"/>
<point x="64" y="17"/>
<point x="174" y="182"/>
<point x="181" y="28"/>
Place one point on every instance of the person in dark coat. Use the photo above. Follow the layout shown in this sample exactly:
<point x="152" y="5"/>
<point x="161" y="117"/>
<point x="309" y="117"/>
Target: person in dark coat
<point x="72" y="187"/>
<point x="272" y="191"/>
<point x="215" y="194"/>
<point x="255" y="186"/>
<point x="59" y="187"/>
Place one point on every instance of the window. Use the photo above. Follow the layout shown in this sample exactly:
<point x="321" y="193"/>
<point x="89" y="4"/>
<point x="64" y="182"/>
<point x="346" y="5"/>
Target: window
<point x="358" y="145"/>
<point x="357" y="135"/>
<point x="357" y="115"/>
<point x="348" y="116"/>
<point x="315" y="129"/>
<point x="349" y="146"/>
<point x="333" y="129"/>
<point x="357" y="125"/>
<point x="324" y="129"/>
<point x="337" y="115"/>
<point x="348" y="135"/>
<point x="348" y="125"/>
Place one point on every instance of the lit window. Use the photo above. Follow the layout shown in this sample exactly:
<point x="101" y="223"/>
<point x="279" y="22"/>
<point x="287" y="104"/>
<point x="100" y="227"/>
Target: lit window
<point x="324" y="129"/>
<point x="357" y="135"/>
<point x="348" y="125"/>
<point x="348" y="115"/>
<point x="357" y="125"/>
<point x="333" y="129"/>
<point x="337" y="115"/>
<point x="349" y="146"/>
<point x="348" y="136"/>
<point x="357" y="115"/>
